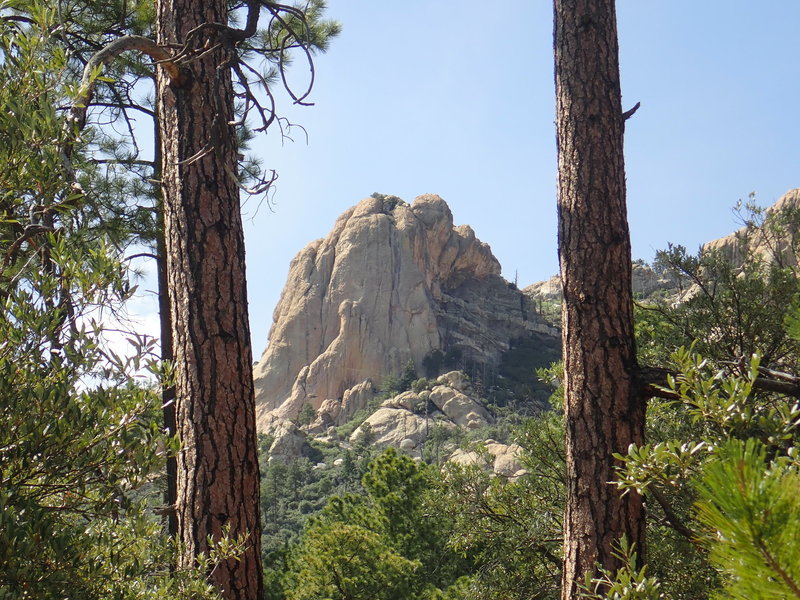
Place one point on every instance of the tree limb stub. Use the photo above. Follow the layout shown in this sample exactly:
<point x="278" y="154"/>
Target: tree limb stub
<point x="629" y="113"/>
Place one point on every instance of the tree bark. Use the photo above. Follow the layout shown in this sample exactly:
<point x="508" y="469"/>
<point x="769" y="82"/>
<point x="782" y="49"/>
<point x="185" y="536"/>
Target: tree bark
<point x="604" y="413"/>
<point x="165" y="335"/>
<point x="217" y="467"/>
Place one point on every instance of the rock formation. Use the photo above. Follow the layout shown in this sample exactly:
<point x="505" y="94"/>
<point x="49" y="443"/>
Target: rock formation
<point x="406" y="421"/>
<point x="426" y="425"/>
<point x="501" y="459"/>
<point x="392" y="282"/>
<point x="771" y="242"/>
<point x="645" y="281"/>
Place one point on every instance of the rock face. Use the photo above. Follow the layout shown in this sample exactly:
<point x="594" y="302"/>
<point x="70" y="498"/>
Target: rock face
<point x="410" y="420"/>
<point x="773" y="242"/>
<point x="645" y="281"/>
<point x="392" y="282"/>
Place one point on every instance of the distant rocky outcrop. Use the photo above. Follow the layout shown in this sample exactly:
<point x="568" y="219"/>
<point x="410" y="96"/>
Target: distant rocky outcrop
<point x="500" y="459"/>
<point x="405" y="421"/>
<point x="645" y="281"/>
<point x="391" y="283"/>
<point x="772" y="241"/>
<point x="434" y="418"/>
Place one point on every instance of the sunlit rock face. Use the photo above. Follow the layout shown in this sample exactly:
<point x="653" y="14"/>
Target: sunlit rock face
<point x="776" y="242"/>
<point x="392" y="282"/>
<point x="772" y="242"/>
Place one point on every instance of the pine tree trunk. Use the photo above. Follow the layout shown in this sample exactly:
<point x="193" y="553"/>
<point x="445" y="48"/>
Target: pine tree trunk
<point x="217" y="468"/>
<point x="165" y="336"/>
<point x="603" y="412"/>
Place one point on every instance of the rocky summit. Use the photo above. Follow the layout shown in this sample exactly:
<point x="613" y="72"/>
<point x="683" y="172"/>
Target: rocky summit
<point x="392" y="284"/>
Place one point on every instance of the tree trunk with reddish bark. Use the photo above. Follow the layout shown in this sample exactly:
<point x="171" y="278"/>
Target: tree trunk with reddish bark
<point x="217" y="468"/>
<point x="604" y="413"/>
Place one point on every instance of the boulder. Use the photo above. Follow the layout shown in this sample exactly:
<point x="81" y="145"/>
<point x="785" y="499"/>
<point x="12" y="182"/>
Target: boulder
<point x="460" y="408"/>
<point x="288" y="441"/>
<point x="500" y="459"/>
<point x="456" y="380"/>
<point x="391" y="426"/>
<point x="406" y="400"/>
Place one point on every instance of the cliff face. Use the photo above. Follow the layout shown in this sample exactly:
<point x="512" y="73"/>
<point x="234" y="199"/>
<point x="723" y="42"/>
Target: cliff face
<point x="392" y="282"/>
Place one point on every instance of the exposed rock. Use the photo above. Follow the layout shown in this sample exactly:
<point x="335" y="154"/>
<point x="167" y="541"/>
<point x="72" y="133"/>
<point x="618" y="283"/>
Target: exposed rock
<point x="406" y="420"/>
<point x="549" y="289"/>
<point x="408" y="444"/>
<point x="459" y="408"/>
<point x="288" y="441"/>
<point x="391" y="426"/>
<point x="456" y="380"/>
<point x="336" y="411"/>
<point x="468" y="458"/>
<point x="391" y="283"/>
<point x="645" y="281"/>
<point x="507" y="461"/>
<point x="355" y="399"/>
<point x="500" y="459"/>
<point x="767" y="244"/>
<point x="406" y="400"/>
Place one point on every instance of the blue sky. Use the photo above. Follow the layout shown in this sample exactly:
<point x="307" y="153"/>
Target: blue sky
<point x="446" y="97"/>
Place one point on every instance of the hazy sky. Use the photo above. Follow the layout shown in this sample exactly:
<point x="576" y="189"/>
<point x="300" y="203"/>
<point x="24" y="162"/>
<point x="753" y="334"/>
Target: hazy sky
<point x="449" y="97"/>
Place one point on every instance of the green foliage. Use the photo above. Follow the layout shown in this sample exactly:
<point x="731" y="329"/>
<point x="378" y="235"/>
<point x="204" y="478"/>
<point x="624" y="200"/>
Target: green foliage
<point x="440" y="443"/>
<point x="628" y="583"/>
<point x="712" y="410"/>
<point x="306" y="416"/>
<point x="397" y="384"/>
<point x="387" y="543"/>
<point x="81" y="450"/>
<point x="293" y="490"/>
<point x="512" y="528"/>
<point x="736" y="310"/>
<point x="749" y="508"/>
<point x="734" y="303"/>
<point x="341" y="561"/>
<point x="421" y="384"/>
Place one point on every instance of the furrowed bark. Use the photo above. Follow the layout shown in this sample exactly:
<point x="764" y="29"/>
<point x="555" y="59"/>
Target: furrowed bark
<point x="604" y="412"/>
<point x="217" y="467"/>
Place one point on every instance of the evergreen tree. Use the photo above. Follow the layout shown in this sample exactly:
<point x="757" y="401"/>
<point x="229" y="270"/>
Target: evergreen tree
<point x="749" y="510"/>
<point x="604" y="410"/>
<point x="389" y="543"/>
<point x="111" y="37"/>
<point x="80" y="444"/>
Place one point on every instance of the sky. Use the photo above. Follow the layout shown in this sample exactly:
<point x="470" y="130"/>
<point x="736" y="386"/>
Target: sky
<point x="456" y="98"/>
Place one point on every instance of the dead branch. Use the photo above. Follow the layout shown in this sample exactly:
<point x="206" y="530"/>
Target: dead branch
<point x="629" y="113"/>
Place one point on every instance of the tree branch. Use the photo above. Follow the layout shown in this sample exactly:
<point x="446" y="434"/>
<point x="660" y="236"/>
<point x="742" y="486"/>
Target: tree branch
<point x="652" y="383"/>
<point x="629" y="113"/>
<point x="670" y="515"/>
<point x="108" y="53"/>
